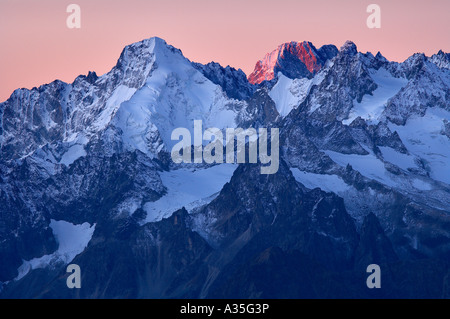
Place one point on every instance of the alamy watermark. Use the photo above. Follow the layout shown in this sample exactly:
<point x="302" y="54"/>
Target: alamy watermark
<point x="374" y="279"/>
<point x="213" y="151"/>
<point x="73" y="280"/>
<point x="73" y="21"/>
<point x="374" y="19"/>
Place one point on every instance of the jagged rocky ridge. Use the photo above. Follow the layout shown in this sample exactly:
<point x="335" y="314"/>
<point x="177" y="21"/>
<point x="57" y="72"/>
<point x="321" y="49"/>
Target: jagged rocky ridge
<point x="356" y="183"/>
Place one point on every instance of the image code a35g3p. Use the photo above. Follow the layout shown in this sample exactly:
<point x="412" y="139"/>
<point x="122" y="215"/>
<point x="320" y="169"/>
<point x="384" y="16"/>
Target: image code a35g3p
<point x="224" y="154"/>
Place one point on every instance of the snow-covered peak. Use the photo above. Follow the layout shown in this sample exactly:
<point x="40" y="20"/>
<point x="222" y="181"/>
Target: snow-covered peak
<point x="151" y="90"/>
<point x="413" y="64"/>
<point x="349" y="48"/>
<point x="441" y="59"/>
<point x="380" y="57"/>
<point x="174" y="94"/>
<point x="157" y="46"/>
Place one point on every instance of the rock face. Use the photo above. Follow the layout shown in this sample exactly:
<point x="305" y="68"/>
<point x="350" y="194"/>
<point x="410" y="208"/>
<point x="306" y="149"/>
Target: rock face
<point x="293" y="59"/>
<point x="363" y="178"/>
<point x="428" y="87"/>
<point x="374" y="246"/>
<point x="234" y="82"/>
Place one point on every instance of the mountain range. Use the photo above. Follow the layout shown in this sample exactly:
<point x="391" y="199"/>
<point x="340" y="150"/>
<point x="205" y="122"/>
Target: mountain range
<point x="86" y="178"/>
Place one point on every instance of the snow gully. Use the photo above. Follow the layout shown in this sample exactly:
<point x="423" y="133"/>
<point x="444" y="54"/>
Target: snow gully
<point x="213" y="151"/>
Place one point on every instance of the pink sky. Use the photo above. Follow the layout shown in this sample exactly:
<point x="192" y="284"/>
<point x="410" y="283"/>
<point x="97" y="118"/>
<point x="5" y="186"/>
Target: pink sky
<point x="37" y="47"/>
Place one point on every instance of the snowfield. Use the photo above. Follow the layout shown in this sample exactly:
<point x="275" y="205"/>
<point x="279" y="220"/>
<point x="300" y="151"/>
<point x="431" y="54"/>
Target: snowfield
<point x="423" y="137"/>
<point x="368" y="165"/>
<point x="328" y="183"/>
<point x="72" y="240"/>
<point x="190" y="188"/>
<point x="288" y="94"/>
<point x="372" y="106"/>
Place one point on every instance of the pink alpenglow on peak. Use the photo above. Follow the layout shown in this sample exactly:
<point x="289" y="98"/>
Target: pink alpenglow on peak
<point x="293" y="59"/>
